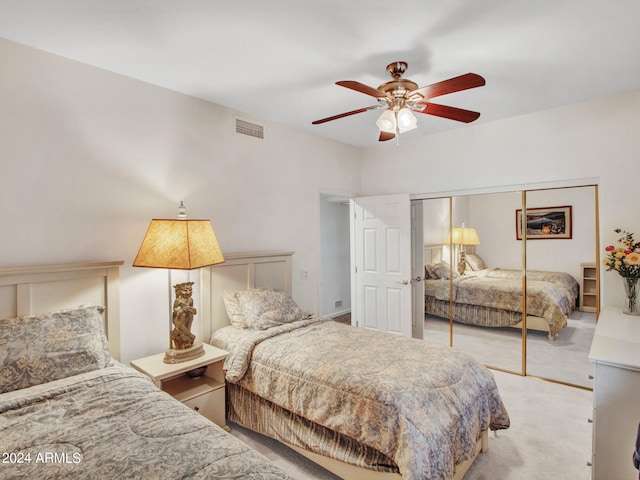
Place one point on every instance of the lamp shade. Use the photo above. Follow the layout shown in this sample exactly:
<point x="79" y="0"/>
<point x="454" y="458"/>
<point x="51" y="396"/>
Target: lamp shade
<point x="463" y="236"/>
<point x="179" y="244"/>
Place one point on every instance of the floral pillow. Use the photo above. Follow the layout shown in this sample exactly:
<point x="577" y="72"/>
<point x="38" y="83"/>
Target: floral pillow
<point x="443" y="270"/>
<point x="39" y="348"/>
<point x="232" y="305"/>
<point x="430" y="271"/>
<point x="265" y="309"/>
<point x="474" y="262"/>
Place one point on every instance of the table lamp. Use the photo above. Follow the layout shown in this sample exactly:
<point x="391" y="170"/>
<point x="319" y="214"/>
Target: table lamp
<point x="180" y="244"/>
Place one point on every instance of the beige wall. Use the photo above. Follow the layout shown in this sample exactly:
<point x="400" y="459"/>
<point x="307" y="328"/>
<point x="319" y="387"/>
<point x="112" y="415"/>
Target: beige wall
<point x="88" y="158"/>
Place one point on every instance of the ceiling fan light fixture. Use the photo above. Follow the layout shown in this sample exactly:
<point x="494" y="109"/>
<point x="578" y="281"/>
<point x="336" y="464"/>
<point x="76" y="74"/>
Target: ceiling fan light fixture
<point x="387" y="122"/>
<point x="406" y="120"/>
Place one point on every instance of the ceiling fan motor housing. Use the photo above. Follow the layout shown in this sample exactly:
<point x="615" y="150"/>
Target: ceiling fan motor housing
<point x="399" y="88"/>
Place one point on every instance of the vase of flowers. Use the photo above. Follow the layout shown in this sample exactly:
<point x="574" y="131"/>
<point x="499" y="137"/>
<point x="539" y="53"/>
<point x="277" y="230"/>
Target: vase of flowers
<point x="625" y="259"/>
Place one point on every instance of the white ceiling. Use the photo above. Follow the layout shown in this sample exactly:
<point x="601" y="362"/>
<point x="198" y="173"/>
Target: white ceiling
<point x="279" y="59"/>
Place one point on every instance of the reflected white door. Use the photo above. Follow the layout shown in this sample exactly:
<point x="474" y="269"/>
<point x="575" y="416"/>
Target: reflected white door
<point x="417" y="269"/>
<point x="381" y="263"/>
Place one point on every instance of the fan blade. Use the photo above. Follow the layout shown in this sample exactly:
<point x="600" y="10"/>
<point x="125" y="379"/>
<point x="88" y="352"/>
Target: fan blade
<point x="346" y="114"/>
<point x="455" y="84"/>
<point x="452" y="113"/>
<point x="362" y="88"/>
<point x="384" y="136"/>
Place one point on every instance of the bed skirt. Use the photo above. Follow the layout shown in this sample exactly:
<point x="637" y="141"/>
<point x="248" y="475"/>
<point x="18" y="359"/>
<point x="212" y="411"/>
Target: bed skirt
<point x="472" y="314"/>
<point x="262" y="416"/>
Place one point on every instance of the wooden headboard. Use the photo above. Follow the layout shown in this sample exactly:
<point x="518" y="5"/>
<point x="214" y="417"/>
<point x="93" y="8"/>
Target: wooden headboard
<point x="48" y="288"/>
<point x="240" y="271"/>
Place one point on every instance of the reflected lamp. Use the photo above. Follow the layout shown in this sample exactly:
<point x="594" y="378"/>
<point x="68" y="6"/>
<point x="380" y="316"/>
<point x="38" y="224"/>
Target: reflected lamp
<point x="463" y="236"/>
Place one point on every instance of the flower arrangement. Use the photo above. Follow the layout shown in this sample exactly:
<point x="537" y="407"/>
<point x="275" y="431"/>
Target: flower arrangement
<point x="624" y="259"/>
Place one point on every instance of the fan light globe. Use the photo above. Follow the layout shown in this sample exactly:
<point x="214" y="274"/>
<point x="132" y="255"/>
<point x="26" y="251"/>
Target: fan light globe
<point x="387" y="122"/>
<point x="406" y="120"/>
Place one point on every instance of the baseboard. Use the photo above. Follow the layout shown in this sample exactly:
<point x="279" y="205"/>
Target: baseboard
<point x="337" y="314"/>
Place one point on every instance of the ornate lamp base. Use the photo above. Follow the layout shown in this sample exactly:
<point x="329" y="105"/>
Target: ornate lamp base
<point x="174" y="355"/>
<point x="462" y="264"/>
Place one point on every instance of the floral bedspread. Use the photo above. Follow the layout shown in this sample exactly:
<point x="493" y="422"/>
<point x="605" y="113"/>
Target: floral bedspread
<point x="550" y="295"/>
<point x="114" y="423"/>
<point x="562" y="280"/>
<point x="421" y="404"/>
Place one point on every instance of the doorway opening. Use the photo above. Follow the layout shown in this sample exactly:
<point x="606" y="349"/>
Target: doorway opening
<point x="335" y="258"/>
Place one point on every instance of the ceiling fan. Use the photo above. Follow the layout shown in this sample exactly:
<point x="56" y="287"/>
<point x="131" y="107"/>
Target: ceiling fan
<point x="401" y="97"/>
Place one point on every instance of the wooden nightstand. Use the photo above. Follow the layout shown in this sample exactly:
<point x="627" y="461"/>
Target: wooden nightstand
<point x="205" y="394"/>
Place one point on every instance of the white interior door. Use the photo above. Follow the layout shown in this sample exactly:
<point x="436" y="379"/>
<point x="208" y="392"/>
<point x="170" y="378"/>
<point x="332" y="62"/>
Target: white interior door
<point x="381" y="263"/>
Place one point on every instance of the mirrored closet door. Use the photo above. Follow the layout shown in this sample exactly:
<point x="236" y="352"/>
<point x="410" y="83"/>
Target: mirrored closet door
<point x="437" y="269"/>
<point x="476" y="256"/>
<point x="489" y="297"/>
<point x="562" y="294"/>
<point x="467" y="238"/>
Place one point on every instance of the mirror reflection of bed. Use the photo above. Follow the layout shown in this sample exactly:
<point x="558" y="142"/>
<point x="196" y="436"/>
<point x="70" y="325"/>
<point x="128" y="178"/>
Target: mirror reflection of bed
<point x="557" y="343"/>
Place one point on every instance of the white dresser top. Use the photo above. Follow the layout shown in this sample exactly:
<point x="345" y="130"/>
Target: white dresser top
<point x="617" y="339"/>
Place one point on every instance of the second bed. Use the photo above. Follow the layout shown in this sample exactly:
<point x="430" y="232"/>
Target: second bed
<point x="393" y="406"/>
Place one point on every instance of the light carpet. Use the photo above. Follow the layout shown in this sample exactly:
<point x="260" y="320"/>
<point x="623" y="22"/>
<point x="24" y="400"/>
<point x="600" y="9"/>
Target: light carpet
<point x="566" y="359"/>
<point x="549" y="437"/>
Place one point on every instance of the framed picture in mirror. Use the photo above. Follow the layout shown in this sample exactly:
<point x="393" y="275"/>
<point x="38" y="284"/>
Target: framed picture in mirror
<point x="545" y="223"/>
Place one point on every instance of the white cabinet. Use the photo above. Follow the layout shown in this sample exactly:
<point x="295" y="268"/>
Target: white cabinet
<point x="615" y="351"/>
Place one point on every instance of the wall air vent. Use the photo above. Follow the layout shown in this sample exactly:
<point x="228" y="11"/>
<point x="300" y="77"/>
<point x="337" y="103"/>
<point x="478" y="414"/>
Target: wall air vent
<point x="248" y="128"/>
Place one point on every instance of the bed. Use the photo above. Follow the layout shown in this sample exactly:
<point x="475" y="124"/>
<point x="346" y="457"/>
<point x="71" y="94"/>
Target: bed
<point x="364" y="404"/>
<point x="69" y="409"/>
<point x="492" y="297"/>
